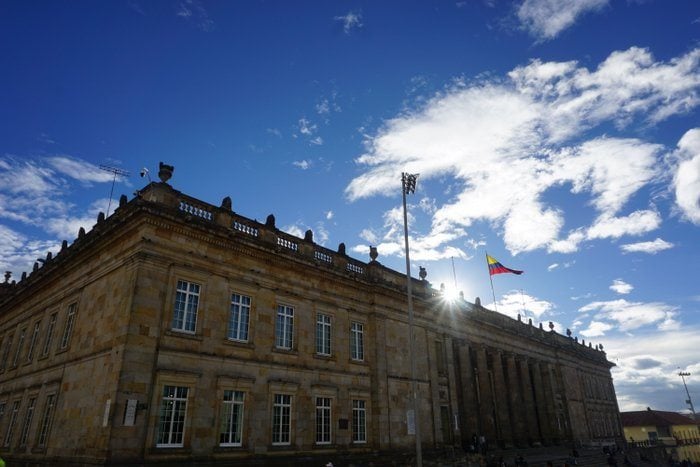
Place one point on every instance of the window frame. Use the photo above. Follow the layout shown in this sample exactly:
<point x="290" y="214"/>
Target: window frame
<point x="9" y="433"/>
<point x="69" y="325"/>
<point x="282" y="410"/>
<point x="324" y="334"/>
<point x="357" y="341"/>
<point x="239" y="309"/>
<point x="46" y="420"/>
<point x="167" y="417"/>
<point x="359" y="421"/>
<point x="284" y="327"/>
<point x="53" y="319"/>
<point x="33" y="341"/>
<point x="28" y="416"/>
<point x="6" y="351"/>
<point x="228" y="409"/>
<point x="324" y="420"/>
<point x="186" y="315"/>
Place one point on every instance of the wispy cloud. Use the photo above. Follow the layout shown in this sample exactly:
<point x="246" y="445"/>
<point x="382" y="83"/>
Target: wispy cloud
<point x="193" y="12"/>
<point x="621" y="287"/>
<point x="303" y="164"/>
<point x="651" y="247"/>
<point x="628" y="316"/>
<point x="545" y="19"/>
<point x="350" y="21"/>
<point x="488" y="134"/>
<point x="36" y="192"/>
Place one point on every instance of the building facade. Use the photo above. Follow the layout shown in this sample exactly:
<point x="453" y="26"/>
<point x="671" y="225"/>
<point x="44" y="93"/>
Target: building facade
<point x="175" y="330"/>
<point x="661" y="435"/>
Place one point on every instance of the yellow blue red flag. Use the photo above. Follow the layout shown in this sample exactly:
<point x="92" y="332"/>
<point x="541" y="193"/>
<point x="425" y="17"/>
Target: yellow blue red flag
<point x="497" y="268"/>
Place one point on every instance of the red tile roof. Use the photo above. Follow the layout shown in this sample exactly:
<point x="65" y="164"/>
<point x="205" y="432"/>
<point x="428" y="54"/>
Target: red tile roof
<point x="655" y="418"/>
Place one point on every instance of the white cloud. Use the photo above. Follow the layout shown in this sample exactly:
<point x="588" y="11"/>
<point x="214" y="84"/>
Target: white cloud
<point x="350" y="21"/>
<point x="552" y="266"/>
<point x="621" y="287"/>
<point x="596" y="328"/>
<point x="18" y="253"/>
<point x="651" y="247"/>
<point x="629" y="316"/>
<point x="647" y="366"/>
<point x="516" y="303"/>
<point x="303" y="164"/>
<point x="687" y="178"/>
<point x="637" y="223"/>
<point x="329" y="215"/>
<point x="490" y="134"/>
<point x="306" y="127"/>
<point x="80" y="170"/>
<point x="317" y="141"/>
<point x="545" y="19"/>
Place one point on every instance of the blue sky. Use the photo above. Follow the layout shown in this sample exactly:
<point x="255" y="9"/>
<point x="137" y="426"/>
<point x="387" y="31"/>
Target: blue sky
<point x="560" y="136"/>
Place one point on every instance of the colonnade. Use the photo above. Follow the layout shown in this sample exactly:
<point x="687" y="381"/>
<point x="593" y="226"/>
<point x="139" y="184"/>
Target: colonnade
<point x="509" y="399"/>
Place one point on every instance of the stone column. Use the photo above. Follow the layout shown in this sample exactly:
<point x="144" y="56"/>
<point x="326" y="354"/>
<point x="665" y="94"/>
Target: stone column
<point x="502" y="392"/>
<point x="486" y="405"/>
<point x="550" y="402"/>
<point x="541" y="402"/>
<point x="468" y="409"/>
<point x="515" y="397"/>
<point x="532" y="422"/>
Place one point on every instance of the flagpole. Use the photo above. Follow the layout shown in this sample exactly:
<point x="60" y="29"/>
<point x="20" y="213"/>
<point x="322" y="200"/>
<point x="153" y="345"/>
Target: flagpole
<point x="408" y="184"/>
<point x="495" y="307"/>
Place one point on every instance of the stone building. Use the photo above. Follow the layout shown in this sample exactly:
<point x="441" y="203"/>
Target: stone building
<point x="175" y="330"/>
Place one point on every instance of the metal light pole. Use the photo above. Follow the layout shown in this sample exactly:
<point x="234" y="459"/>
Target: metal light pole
<point x="408" y="185"/>
<point x="683" y="374"/>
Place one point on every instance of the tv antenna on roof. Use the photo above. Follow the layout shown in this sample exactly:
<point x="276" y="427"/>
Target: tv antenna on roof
<point x="116" y="171"/>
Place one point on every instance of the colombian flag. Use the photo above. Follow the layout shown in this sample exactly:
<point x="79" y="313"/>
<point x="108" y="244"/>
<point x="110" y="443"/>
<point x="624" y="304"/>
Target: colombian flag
<point x="497" y="268"/>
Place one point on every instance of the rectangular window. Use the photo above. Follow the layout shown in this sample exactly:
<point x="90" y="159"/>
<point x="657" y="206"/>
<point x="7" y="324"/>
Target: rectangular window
<point x="323" y="420"/>
<point x="32" y="342"/>
<point x="359" y="421"/>
<point x="68" y="328"/>
<point x="46" y="420"/>
<point x="284" y="329"/>
<point x="6" y="352"/>
<point x="357" y="345"/>
<point x="49" y="335"/>
<point x="2" y="411"/>
<point x="186" y="303"/>
<point x="27" y="422"/>
<point x="171" y="423"/>
<point x="20" y="344"/>
<point x="323" y="334"/>
<point x="282" y="419"/>
<point x="11" y="425"/>
<point x="232" y="418"/>
<point x="440" y="358"/>
<point x="239" y="318"/>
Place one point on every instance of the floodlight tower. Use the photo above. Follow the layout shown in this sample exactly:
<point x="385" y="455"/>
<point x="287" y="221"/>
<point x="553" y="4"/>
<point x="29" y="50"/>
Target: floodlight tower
<point x="689" y="401"/>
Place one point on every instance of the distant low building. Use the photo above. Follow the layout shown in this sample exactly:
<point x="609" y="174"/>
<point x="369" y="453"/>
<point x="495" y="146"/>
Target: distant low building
<point x="179" y="331"/>
<point x="676" y="434"/>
